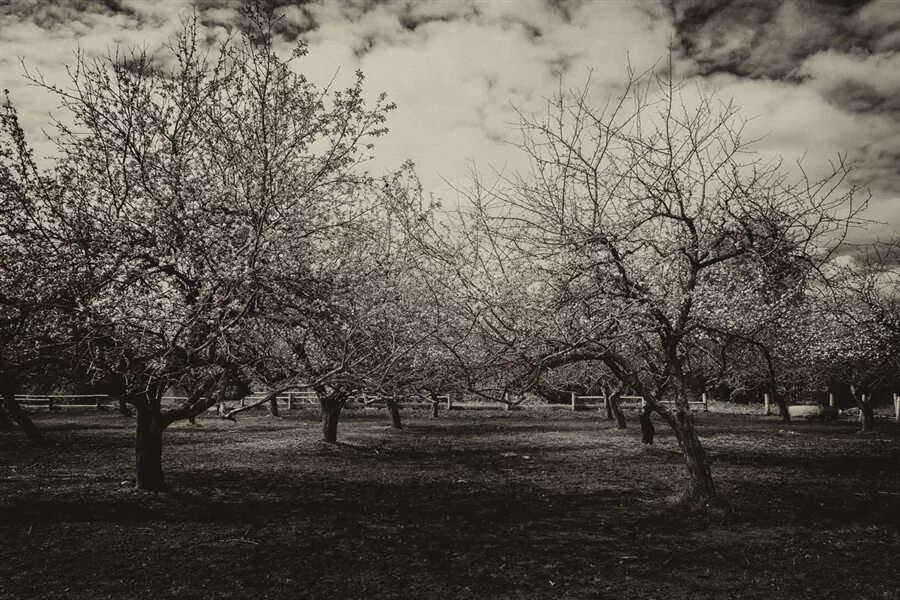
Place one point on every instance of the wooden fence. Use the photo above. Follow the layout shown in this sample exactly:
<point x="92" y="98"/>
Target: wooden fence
<point x="309" y="399"/>
<point x="63" y="401"/>
<point x="627" y="402"/>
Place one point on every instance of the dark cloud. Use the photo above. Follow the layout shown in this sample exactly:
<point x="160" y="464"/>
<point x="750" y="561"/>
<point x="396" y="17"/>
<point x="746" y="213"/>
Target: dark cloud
<point x="771" y="38"/>
<point x="301" y="22"/>
<point x="565" y="8"/>
<point x="848" y="52"/>
<point x="410" y="20"/>
<point x="54" y="15"/>
<point x="863" y="97"/>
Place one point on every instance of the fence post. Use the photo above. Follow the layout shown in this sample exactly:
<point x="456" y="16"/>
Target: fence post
<point x="897" y="407"/>
<point x="831" y="399"/>
<point x="766" y="403"/>
<point x="450" y="401"/>
<point x="705" y="403"/>
<point x="99" y="401"/>
<point x="49" y="403"/>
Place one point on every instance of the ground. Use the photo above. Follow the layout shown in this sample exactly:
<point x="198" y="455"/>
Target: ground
<point x="481" y="505"/>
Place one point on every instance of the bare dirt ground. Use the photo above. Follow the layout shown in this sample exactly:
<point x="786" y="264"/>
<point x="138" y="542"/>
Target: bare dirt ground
<point x="471" y="505"/>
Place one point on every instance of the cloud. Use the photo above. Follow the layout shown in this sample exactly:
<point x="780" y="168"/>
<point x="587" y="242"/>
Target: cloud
<point x="856" y="82"/>
<point x="771" y="38"/>
<point x="821" y="77"/>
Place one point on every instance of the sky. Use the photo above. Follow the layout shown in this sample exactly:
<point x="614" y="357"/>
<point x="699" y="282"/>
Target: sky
<point x="818" y="78"/>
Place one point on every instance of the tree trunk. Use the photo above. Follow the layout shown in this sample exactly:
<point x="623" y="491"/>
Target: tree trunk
<point x="20" y="418"/>
<point x="616" y="409"/>
<point x="647" y="429"/>
<point x="609" y="412"/>
<point x="435" y="407"/>
<point x="273" y="406"/>
<point x="701" y="489"/>
<point x="867" y="421"/>
<point x="394" y="411"/>
<point x="5" y="423"/>
<point x="148" y="450"/>
<point x="783" y="411"/>
<point x="331" y="412"/>
<point x="124" y="409"/>
<point x="866" y="409"/>
<point x="866" y="415"/>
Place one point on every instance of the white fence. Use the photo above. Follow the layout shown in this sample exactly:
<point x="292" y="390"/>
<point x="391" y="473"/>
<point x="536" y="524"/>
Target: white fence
<point x="308" y="398"/>
<point x="288" y="400"/>
<point x="627" y="402"/>
<point x="63" y="401"/>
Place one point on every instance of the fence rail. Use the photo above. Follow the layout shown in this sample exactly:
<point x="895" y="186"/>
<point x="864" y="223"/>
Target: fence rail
<point x="60" y="401"/>
<point x="290" y="400"/>
<point x="301" y="399"/>
<point x="627" y="402"/>
<point x="298" y="400"/>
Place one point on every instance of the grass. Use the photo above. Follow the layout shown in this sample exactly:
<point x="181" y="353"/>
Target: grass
<point x="471" y="505"/>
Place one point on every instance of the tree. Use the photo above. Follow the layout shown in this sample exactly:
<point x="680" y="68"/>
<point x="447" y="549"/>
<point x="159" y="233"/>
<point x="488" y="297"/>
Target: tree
<point x="756" y="339"/>
<point x="628" y="212"/>
<point x="199" y="182"/>
<point x="376" y="327"/>
<point x="356" y="325"/>
<point x="857" y="334"/>
<point x="38" y="284"/>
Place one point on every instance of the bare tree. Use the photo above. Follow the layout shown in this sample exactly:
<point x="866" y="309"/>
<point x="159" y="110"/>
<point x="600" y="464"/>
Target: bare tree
<point x="857" y="334"/>
<point x="630" y="213"/>
<point x="197" y="184"/>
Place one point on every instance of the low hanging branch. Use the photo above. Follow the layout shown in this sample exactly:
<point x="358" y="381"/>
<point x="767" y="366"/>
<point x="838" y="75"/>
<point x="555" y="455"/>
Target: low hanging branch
<point x="266" y="399"/>
<point x="202" y="400"/>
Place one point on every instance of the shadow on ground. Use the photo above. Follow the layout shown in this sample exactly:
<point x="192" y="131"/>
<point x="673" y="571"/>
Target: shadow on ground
<point x="511" y="506"/>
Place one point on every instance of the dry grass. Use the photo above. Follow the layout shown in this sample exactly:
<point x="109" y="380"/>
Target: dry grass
<point x="472" y="505"/>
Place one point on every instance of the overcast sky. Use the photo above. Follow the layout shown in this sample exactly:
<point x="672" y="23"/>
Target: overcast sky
<point x="821" y="77"/>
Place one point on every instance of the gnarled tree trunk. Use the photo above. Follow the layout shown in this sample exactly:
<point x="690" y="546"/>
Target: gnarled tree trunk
<point x="124" y="409"/>
<point x="647" y="429"/>
<point x="273" y="406"/>
<point x="15" y="412"/>
<point x="394" y="411"/>
<point x="331" y="411"/>
<point x="866" y="409"/>
<point x="867" y="418"/>
<point x="148" y="449"/>
<point x="701" y="490"/>
<point x="5" y="423"/>
<point x="613" y="408"/>
<point x="616" y="410"/>
<point x="783" y="411"/>
<point x="700" y="482"/>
